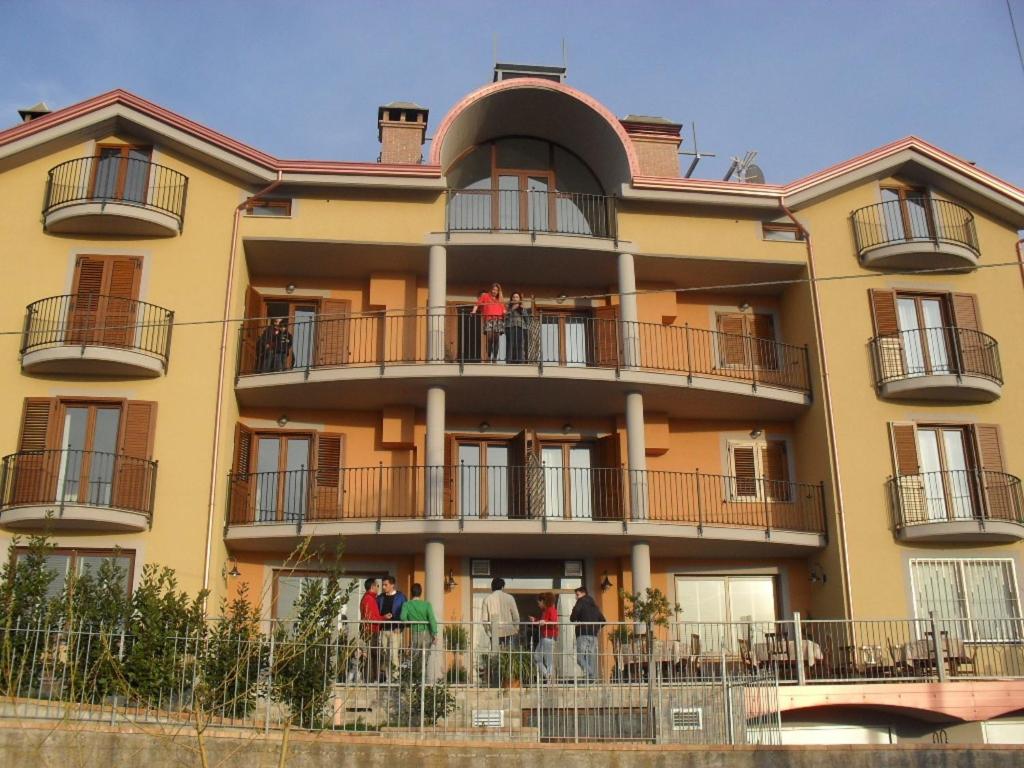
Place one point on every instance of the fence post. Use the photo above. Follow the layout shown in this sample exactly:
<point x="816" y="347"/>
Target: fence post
<point x="423" y="683"/>
<point x="700" y="502"/>
<point x="937" y="649"/>
<point x="798" y="644"/>
<point x="689" y="354"/>
<point x="650" y="680"/>
<point x="270" y="680"/>
<point x="726" y="693"/>
<point x="380" y="493"/>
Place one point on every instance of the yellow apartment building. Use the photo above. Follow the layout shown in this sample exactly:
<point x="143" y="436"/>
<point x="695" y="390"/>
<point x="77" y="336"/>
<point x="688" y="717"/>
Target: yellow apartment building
<point x="764" y="400"/>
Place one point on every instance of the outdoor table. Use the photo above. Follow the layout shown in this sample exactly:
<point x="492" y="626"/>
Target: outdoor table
<point x="918" y="653"/>
<point x="811" y="652"/>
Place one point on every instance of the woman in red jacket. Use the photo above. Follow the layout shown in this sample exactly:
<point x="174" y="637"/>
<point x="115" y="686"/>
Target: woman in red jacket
<point x="548" y="624"/>
<point x="492" y="306"/>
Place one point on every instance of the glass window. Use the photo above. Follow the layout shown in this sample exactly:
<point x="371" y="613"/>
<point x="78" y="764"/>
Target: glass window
<point x="789" y="233"/>
<point x="288" y="589"/>
<point x="728" y="608"/>
<point x="974" y="599"/>
<point x="61" y="562"/>
<point x="268" y="208"/>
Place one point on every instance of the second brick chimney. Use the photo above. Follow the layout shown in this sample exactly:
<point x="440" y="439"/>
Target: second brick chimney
<point x="656" y="141"/>
<point x="401" y="128"/>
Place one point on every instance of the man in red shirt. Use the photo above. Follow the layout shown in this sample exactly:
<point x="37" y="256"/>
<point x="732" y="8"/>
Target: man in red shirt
<point x="369" y="614"/>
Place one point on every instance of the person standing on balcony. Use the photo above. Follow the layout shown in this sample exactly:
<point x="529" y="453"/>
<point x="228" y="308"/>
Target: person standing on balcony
<point x="390" y="603"/>
<point x="517" y="323"/>
<point x="500" y="615"/>
<point x="369" y="614"/>
<point x="588" y="620"/>
<point x="274" y="346"/>
<point x="548" y="624"/>
<point x="491" y="305"/>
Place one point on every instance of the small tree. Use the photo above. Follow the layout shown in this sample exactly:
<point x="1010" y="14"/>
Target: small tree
<point x="27" y="611"/>
<point x="650" y="608"/>
<point x="233" y="653"/>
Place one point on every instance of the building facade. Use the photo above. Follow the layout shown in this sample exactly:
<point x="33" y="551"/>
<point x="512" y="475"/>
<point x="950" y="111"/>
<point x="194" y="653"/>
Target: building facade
<point x="764" y="400"/>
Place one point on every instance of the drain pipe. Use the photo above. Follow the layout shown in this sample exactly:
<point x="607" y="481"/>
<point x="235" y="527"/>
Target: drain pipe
<point x="1020" y="258"/>
<point x="221" y="366"/>
<point x="830" y="428"/>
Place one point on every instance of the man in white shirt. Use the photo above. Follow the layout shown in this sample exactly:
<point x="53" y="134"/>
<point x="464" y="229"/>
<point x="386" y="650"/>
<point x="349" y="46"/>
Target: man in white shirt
<point x="501" y="616"/>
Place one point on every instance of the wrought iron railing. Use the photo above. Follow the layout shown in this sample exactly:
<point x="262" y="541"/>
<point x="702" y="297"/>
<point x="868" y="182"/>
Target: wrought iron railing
<point x="512" y="210"/>
<point x="89" y="319"/>
<point x="546" y="494"/>
<point x="124" y="180"/>
<point x="913" y="220"/>
<point x="961" y="495"/>
<point x="541" y="339"/>
<point x="66" y="477"/>
<point x="934" y="352"/>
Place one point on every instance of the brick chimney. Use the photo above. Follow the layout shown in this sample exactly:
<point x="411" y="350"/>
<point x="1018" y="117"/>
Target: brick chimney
<point x="656" y="141"/>
<point x="401" y="126"/>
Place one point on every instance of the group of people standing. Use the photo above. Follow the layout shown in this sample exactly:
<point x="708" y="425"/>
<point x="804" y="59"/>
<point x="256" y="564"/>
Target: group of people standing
<point x="510" y="319"/>
<point x="385" y="613"/>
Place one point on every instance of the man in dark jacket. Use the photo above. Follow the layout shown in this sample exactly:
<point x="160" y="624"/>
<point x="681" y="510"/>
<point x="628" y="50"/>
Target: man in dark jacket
<point x="390" y="603"/>
<point x="588" y="620"/>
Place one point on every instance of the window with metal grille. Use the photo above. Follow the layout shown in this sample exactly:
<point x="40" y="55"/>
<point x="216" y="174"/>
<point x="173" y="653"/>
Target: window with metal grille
<point x="974" y="599"/>
<point x="687" y="719"/>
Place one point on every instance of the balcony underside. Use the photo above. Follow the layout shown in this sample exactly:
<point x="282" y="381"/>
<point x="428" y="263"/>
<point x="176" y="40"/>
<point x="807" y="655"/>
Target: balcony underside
<point x="72" y="517"/>
<point x="920" y="254"/>
<point x="539" y="538"/>
<point x="520" y="389"/>
<point x="98" y="217"/>
<point x="962" y="388"/>
<point x="967" y="531"/>
<point x="90" y="360"/>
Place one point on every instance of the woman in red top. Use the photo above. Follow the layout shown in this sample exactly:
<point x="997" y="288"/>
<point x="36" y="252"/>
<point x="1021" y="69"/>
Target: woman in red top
<point x="548" y="621"/>
<point x="492" y="306"/>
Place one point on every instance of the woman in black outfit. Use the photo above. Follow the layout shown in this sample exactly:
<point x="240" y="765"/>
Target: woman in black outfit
<point x="517" y="323"/>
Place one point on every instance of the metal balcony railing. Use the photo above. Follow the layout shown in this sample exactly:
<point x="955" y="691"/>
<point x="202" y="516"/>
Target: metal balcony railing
<point x="934" y="352"/>
<point x="913" y="220"/>
<point x="465" y="492"/>
<point x="124" y="180"/>
<point x="542" y="339"/>
<point x="89" y="319"/>
<point x="66" y="477"/>
<point x="955" y="496"/>
<point x="513" y="210"/>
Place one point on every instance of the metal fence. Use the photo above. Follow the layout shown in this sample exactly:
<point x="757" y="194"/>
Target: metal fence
<point x="935" y="352"/>
<point x="914" y="219"/>
<point x="89" y="319"/>
<point x="540" y="339"/>
<point x="513" y="210"/>
<point x="462" y="681"/>
<point x="125" y="180"/>
<point x="956" y="495"/>
<point x="546" y="494"/>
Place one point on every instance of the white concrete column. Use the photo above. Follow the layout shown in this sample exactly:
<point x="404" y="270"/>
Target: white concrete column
<point x="437" y="298"/>
<point x="641" y="566"/>
<point x="433" y="589"/>
<point x="434" y="459"/>
<point x="636" y="455"/>
<point x="627" y="310"/>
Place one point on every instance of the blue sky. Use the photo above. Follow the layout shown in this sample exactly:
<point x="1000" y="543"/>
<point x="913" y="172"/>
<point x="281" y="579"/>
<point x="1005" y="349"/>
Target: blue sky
<point x="807" y="84"/>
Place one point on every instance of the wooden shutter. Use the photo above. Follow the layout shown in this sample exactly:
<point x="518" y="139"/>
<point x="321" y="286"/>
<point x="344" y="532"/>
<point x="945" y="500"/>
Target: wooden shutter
<point x="745" y="470"/>
<point x="883" y="312"/>
<point x="134" y="475"/>
<point x="252" y="327"/>
<point x="775" y="467"/>
<point x="451" y="451"/>
<point x="606" y="336"/>
<point x="122" y="292"/>
<point x="909" y="495"/>
<point x="974" y="358"/>
<point x="1003" y="499"/>
<point x="536" y="495"/>
<point x="732" y="341"/>
<point x="84" y="313"/>
<point x="904" y="448"/>
<point x="332" y="332"/>
<point x="607" y="485"/>
<point x="765" y="350"/>
<point x="518" y="461"/>
<point x="328" y="477"/>
<point x="241" y="507"/>
<point x="35" y="467"/>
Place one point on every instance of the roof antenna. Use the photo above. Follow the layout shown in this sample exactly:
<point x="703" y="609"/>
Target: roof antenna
<point x="745" y="169"/>
<point x="565" y="57"/>
<point x="696" y="153"/>
<point x="494" y="47"/>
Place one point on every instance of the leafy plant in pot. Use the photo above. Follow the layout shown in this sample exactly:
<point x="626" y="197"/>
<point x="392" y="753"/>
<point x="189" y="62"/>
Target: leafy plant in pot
<point x="507" y="670"/>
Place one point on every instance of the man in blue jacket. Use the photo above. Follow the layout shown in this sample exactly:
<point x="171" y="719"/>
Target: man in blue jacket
<point x="390" y="602"/>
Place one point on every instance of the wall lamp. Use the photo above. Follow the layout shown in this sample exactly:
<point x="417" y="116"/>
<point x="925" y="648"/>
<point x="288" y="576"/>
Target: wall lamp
<point x="234" y="572"/>
<point x="484" y="426"/>
<point x="744" y="307"/>
<point x="282" y="420"/>
<point x="606" y="583"/>
<point x="756" y="432"/>
<point x="290" y="288"/>
<point x="450" y="583"/>
<point x="566" y="428"/>
<point x="817" y="574"/>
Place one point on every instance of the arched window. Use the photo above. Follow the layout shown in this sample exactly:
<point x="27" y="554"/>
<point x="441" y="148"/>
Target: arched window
<point x="526" y="184"/>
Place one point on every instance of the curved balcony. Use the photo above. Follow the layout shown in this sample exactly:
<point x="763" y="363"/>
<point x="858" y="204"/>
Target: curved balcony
<point x="947" y="363"/>
<point x="916" y="233"/>
<point x="531" y="212"/>
<point x="114" y="196"/>
<point x="571" y="364"/>
<point x="96" y="335"/>
<point x="76" y="490"/>
<point x="474" y="504"/>
<point x="958" y="505"/>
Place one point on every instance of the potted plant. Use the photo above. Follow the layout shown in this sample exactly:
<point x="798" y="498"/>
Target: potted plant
<point x="509" y="669"/>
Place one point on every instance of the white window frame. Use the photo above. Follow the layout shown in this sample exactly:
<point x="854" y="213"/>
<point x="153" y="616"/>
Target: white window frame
<point x="758" y="444"/>
<point x="968" y="620"/>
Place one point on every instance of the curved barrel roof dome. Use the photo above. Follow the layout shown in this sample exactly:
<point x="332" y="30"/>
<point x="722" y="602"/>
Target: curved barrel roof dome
<point x="543" y="109"/>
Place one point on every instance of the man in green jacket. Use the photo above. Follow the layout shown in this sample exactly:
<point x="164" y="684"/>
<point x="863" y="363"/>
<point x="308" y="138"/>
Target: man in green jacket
<point x="418" y="614"/>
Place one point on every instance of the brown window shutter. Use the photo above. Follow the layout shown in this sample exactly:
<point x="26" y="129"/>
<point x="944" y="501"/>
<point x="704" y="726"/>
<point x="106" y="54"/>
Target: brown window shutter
<point x="119" y="315"/>
<point x="999" y="494"/>
<point x="451" y="450"/>
<point x="328" y="476"/>
<point x="965" y="311"/>
<point x="134" y="480"/>
<point x="606" y="336"/>
<point x="745" y="467"/>
<point x="333" y="327"/>
<point x="241" y="509"/>
<point x="904" y="448"/>
<point x="776" y="470"/>
<point x="763" y="331"/>
<point x="732" y="340"/>
<point x="35" y="468"/>
<point x="883" y="312"/>
<point x="252" y="327"/>
<point x="86" y="289"/>
<point x="607" y="485"/>
<point x="975" y="357"/>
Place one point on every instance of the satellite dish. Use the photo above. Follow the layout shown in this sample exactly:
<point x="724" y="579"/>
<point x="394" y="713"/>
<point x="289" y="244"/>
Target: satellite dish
<point x="752" y="174"/>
